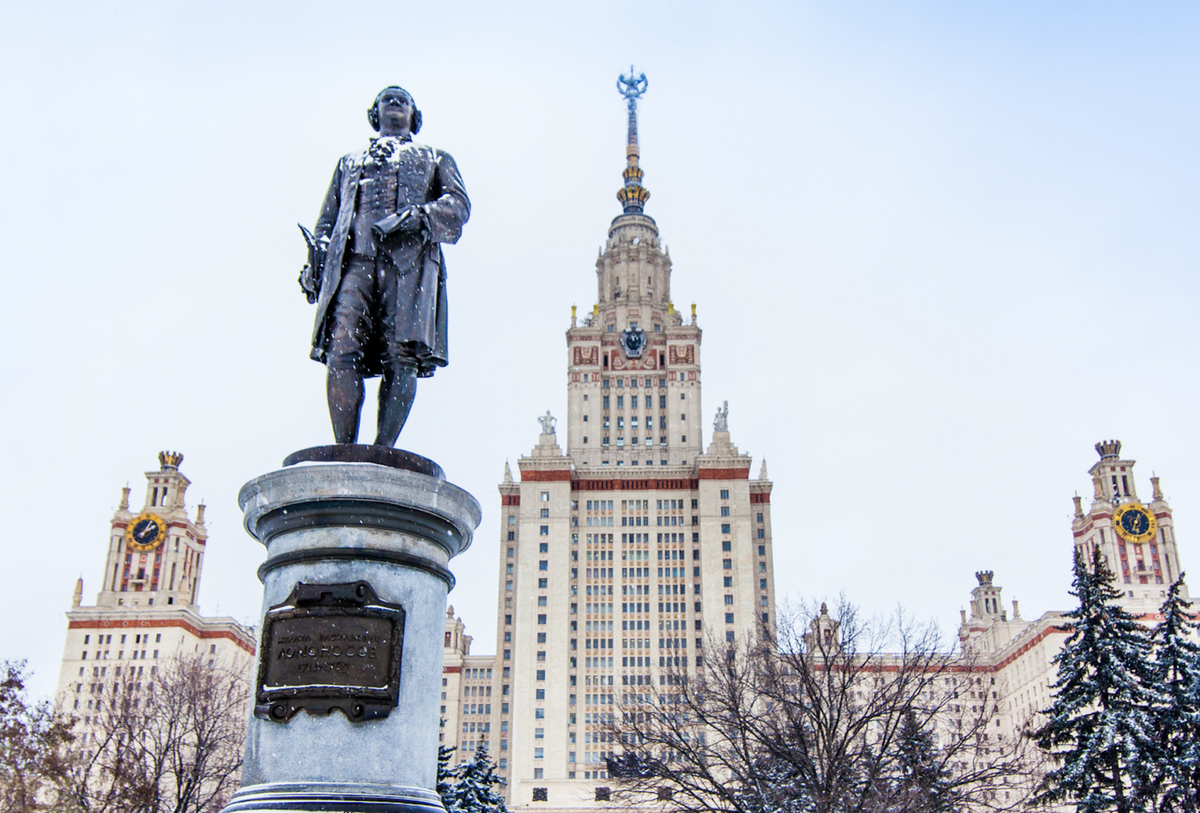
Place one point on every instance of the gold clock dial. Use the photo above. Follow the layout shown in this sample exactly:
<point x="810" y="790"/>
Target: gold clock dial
<point x="1134" y="522"/>
<point x="146" y="532"/>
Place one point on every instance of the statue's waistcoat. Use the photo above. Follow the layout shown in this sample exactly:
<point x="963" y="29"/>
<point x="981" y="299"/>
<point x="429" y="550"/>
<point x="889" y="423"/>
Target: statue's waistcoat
<point x="385" y="185"/>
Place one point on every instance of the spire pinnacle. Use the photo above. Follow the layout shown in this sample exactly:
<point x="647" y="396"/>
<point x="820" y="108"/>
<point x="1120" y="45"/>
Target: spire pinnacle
<point x="633" y="195"/>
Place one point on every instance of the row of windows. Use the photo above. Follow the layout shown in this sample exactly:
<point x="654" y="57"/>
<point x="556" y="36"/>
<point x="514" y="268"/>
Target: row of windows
<point x="137" y="639"/>
<point x="662" y="441"/>
<point x="134" y="655"/>
<point x="633" y="420"/>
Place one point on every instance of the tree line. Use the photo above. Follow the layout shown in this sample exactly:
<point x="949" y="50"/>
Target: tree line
<point x="842" y="714"/>
<point x="837" y="713"/>
<point x="170" y="741"/>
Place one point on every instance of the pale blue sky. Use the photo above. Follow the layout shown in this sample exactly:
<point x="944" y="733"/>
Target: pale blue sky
<point x="938" y="250"/>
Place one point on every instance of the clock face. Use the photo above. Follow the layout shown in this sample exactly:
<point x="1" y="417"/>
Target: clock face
<point x="633" y="341"/>
<point x="1134" y="523"/>
<point x="146" y="532"/>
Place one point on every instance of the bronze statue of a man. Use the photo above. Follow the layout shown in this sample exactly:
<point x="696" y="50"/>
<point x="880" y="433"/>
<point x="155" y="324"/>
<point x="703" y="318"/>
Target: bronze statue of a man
<point x="376" y="270"/>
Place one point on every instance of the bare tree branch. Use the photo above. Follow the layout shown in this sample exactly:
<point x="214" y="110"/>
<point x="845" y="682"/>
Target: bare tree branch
<point x="167" y="742"/>
<point x="839" y="715"/>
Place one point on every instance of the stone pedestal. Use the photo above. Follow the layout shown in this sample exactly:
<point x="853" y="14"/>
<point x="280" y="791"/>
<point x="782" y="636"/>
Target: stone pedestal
<point x="354" y="550"/>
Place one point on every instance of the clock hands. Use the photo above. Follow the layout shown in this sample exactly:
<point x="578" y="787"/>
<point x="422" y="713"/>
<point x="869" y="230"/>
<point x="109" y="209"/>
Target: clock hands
<point x="147" y="533"/>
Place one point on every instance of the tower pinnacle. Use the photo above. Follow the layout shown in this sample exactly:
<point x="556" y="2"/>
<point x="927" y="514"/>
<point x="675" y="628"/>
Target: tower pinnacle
<point x="633" y="195"/>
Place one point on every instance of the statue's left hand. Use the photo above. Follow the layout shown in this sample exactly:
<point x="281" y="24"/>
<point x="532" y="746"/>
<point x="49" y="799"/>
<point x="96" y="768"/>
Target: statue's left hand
<point x="406" y="221"/>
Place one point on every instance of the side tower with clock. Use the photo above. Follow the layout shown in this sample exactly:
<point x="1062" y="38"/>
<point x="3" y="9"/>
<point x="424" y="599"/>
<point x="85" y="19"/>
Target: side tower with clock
<point x="155" y="556"/>
<point x="146" y="611"/>
<point x="1137" y="539"/>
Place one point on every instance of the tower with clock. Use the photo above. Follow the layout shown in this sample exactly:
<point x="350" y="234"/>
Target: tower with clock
<point x="155" y="554"/>
<point x="146" y="611"/>
<point x="1137" y="538"/>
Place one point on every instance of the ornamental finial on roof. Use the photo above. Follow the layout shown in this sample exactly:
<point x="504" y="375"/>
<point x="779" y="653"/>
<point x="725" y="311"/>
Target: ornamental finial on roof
<point x="633" y="195"/>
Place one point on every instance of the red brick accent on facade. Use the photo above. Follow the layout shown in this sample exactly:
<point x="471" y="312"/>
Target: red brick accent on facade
<point x="510" y="499"/>
<point x="648" y="484"/>
<point x="163" y="622"/>
<point x="760" y="496"/>
<point x="724" y="474"/>
<point x="553" y="475"/>
<point x="451" y="669"/>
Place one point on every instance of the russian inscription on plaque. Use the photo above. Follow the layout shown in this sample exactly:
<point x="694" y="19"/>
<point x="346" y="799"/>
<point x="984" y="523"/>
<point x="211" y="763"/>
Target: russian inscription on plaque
<point x="330" y="646"/>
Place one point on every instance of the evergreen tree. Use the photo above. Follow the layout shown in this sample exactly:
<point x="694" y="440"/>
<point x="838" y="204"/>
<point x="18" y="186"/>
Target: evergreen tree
<point x="923" y="784"/>
<point x="445" y="773"/>
<point x="1177" y="719"/>
<point x="474" y="788"/>
<point x="1100" y="726"/>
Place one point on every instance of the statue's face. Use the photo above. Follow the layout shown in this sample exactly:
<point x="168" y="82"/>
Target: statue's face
<point x="395" y="110"/>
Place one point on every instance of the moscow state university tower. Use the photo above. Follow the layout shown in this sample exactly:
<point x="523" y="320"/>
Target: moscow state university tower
<point x="628" y="555"/>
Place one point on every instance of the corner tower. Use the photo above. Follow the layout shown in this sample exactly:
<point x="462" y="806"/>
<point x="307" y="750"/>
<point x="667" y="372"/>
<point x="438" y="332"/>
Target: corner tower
<point x="146" y="611"/>
<point x="1137" y="539"/>
<point x="155" y="555"/>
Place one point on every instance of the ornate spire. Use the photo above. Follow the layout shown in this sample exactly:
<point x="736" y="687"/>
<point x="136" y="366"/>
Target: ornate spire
<point x="633" y="195"/>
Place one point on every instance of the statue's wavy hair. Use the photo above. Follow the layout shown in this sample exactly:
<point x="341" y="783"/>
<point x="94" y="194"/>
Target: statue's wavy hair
<point x="373" y="110"/>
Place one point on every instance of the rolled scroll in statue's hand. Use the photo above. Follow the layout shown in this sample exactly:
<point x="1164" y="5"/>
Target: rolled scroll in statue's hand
<point x="406" y="221"/>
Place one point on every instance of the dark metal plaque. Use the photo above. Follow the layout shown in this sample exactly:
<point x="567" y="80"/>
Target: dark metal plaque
<point x="330" y="646"/>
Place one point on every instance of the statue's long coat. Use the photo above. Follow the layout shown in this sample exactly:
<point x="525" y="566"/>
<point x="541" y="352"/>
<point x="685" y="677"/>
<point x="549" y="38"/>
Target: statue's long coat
<point x="429" y="179"/>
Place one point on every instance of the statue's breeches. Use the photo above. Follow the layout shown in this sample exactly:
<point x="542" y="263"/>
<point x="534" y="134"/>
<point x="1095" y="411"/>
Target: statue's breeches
<point x="365" y="311"/>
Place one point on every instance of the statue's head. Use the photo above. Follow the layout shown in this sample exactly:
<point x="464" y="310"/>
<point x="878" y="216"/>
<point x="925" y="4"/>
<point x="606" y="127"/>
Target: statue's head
<point x="391" y="96"/>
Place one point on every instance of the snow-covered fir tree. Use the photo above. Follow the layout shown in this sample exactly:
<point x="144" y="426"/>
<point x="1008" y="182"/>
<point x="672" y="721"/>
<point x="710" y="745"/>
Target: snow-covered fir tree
<point x="473" y="789"/>
<point x="1177" y="720"/>
<point x="445" y="771"/>
<point x="923" y="783"/>
<point x="1100" y="727"/>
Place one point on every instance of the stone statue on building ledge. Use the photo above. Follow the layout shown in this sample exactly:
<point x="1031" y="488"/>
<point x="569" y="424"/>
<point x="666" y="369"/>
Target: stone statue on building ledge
<point x="376" y="270"/>
<point x="721" y="422"/>
<point x="548" y="423"/>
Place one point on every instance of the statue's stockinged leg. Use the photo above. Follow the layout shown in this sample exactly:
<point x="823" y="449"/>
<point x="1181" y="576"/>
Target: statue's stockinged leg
<point x="396" y="394"/>
<point x="344" y="389"/>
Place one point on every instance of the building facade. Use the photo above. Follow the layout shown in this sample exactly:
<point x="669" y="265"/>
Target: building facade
<point x="467" y="686"/>
<point x="146" y="610"/>
<point x="634" y="548"/>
